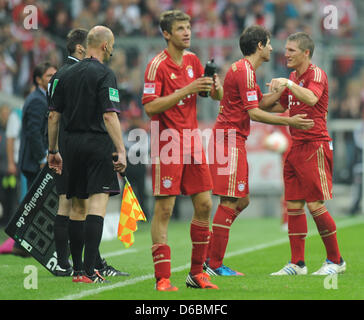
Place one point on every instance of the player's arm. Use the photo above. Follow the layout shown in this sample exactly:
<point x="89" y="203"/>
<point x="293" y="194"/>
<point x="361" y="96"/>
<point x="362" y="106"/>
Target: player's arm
<point x="298" y="121"/>
<point x="161" y="104"/>
<point x="113" y="128"/>
<point x="54" y="158"/>
<point x="302" y="94"/>
<point x="10" y="155"/>
<point x="53" y="129"/>
<point x="270" y="102"/>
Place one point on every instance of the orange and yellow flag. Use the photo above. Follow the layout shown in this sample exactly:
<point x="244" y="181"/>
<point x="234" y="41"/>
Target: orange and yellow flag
<point x="130" y="213"/>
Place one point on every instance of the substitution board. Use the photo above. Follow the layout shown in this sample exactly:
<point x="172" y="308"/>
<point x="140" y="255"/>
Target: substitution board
<point x="32" y="225"/>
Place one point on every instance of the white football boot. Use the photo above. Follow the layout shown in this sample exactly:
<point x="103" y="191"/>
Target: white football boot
<point x="291" y="269"/>
<point x="329" y="267"/>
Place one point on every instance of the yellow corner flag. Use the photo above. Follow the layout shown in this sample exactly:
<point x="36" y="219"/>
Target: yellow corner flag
<point x="130" y="213"/>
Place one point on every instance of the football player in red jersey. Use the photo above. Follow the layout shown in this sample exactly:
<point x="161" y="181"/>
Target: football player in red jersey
<point x="172" y="80"/>
<point x="240" y="104"/>
<point x="308" y="166"/>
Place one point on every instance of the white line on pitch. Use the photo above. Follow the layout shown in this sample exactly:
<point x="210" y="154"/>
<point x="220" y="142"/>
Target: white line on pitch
<point x="118" y="253"/>
<point x="82" y="294"/>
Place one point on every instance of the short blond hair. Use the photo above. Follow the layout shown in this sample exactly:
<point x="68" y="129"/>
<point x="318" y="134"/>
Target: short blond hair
<point x="304" y="41"/>
<point x="167" y="18"/>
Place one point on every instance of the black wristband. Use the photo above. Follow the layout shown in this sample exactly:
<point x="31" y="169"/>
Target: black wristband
<point x="53" y="151"/>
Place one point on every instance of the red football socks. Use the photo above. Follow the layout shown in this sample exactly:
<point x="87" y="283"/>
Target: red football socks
<point x="223" y="219"/>
<point x="327" y="229"/>
<point x="200" y="234"/>
<point x="162" y="260"/>
<point x="297" y="231"/>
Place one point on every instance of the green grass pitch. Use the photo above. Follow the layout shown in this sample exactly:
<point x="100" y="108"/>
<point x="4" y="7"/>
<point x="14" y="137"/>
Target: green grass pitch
<point x="257" y="247"/>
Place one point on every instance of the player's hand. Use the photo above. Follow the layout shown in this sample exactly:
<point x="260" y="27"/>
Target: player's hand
<point x="298" y="121"/>
<point x="216" y="86"/>
<point x="55" y="162"/>
<point x="277" y="84"/>
<point x="200" y="84"/>
<point x="119" y="161"/>
<point x="11" y="168"/>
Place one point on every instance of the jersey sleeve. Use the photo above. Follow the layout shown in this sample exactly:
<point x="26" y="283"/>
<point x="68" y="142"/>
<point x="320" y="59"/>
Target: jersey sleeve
<point x="56" y="96"/>
<point x="317" y="82"/>
<point x="108" y="93"/>
<point x="248" y="89"/>
<point x="152" y="83"/>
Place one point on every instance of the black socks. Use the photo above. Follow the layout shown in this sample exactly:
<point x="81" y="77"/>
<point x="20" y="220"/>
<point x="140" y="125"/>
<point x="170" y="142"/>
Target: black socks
<point x="60" y="230"/>
<point x="93" y="232"/>
<point x="77" y="240"/>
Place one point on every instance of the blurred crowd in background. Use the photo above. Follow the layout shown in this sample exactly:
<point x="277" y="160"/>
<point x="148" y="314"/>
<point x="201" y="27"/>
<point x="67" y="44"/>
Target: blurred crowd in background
<point x="22" y="49"/>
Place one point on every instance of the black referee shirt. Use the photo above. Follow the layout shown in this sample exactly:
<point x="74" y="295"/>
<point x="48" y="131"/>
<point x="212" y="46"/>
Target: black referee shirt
<point x="54" y="81"/>
<point x="83" y="94"/>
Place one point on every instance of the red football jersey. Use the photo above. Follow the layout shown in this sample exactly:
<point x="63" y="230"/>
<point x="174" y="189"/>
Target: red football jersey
<point x="162" y="78"/>
<point x="314" y="79"/>
<point x="241" y="93"/>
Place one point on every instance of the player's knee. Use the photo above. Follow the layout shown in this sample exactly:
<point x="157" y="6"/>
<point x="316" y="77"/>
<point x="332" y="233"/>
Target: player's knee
<point x="313" y="206"/>
<point x="164" y="212"/>
<point x="78" y="213"/>
<point x="241" y="204"/>
<point x="204" y="207"/>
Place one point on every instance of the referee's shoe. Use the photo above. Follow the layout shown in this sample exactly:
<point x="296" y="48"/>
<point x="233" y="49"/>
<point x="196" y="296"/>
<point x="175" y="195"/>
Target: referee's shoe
<point x="109" y="271"/>
<point x="63" y="272"/>
<point x="95" y="278"/>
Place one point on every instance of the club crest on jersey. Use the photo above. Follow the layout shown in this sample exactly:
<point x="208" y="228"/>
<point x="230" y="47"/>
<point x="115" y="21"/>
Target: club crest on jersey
<point x="252" y="95"/>
<point x="149" y="88"/>
<point x="190" y="71"/>
<point x="301" y="83"/>
<point x="167" y="182"/>
<point x="241" y="186"/>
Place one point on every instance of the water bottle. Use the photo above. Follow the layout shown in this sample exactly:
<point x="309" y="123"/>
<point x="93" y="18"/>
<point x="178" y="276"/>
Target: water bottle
<point x="210" y="70"/>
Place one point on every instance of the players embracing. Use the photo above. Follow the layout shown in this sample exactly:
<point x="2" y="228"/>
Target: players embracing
<point x="309" y="164"/>
<point x="241" y="104"/>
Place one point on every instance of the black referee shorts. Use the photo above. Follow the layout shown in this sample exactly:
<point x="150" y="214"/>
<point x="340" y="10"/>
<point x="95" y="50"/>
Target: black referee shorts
<point x="89" y="165"/>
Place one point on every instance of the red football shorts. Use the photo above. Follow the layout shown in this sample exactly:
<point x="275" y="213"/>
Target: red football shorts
<point x="175" y="179"/>
<point x="308" y="171"/>
<point x="229" y="173"/>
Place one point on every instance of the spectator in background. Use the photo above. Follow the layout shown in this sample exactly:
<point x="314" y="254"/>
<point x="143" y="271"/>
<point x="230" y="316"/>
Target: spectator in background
<point x="119" y="65"/>
<point x="127" y="12"/>
<point x="240" y="15"/>
<point x="41" y="47"/>
<point x="12" y="150"/>
<point x="282" y="10"/>
<point x="6" y="184"/>
<point x="89" y="16"/>
<point x="8" y="69"/>
<point x="4" y="9"/>
<point x="150" y="12"/>
<point x="228" y="20"/>
<point x="33" y="144"/>
<point x="260" y="14"/>
<point x="109" y="20"/>
<point x="60" y="24"/>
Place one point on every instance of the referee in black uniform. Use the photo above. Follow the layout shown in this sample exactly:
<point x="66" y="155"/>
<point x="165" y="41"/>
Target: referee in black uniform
<point x="88" y="99"/>
<point x="68" y="224"/>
